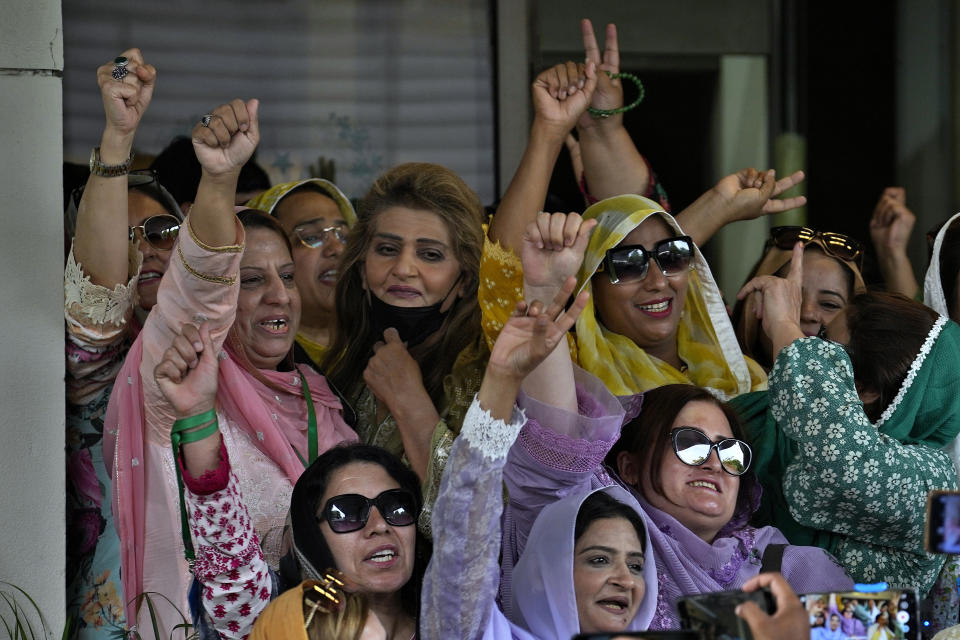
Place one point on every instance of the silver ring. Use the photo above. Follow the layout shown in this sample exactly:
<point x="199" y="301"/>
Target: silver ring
<point x="205" y="120"/>
<point x="120" y="71"/>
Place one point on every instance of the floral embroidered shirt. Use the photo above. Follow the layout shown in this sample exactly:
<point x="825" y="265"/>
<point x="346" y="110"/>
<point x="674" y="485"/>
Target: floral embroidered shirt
<point x="848" y="478"/>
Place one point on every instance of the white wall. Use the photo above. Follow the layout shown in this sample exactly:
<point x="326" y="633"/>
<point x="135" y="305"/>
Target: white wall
<point x="31" y="299"/>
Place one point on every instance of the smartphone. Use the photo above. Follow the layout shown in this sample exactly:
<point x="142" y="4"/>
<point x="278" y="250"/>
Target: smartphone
<point x="860" y="614"/>
<point x="712" y="614"/>
<point x="649" y="635"/>
<point x="942" y="534"/>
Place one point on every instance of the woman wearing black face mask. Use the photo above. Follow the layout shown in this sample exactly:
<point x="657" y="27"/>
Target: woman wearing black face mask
<point x="409" y="353"/>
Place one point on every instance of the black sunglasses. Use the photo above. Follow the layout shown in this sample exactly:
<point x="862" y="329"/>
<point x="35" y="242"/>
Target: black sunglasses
<point x="159" y="231"/>
<point x="838" y="245"/>
<point x="350" y="511"/>
<point x="630" y="263"/>
<point x="693" y="447"/>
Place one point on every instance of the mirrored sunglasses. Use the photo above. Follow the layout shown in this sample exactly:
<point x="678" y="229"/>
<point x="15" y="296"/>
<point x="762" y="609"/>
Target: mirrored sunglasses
<point x="693" y="447"/>
<point x="838" y="245"/>
<point x="314" y="235"/>
<point x="630" y="263"/>
<point x="159" y="231"/>
<point x="350" y="511"/>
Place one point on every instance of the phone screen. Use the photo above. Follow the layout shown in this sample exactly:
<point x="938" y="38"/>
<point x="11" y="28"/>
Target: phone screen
<point x="858" y="615"/>
<point x="943" y="522"/>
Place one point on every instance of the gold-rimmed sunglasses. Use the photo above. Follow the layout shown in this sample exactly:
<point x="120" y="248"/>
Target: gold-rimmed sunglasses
<point x="838" y="245"/>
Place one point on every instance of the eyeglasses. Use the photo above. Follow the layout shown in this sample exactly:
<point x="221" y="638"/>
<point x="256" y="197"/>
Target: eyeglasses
<point x="837" y="245"/>
<point x="693" y="447"/>
<point x="630" y="263"/>
<point x="314" y="235"/>
<point x="350" y="511"/>
<point x="159" y="231"/>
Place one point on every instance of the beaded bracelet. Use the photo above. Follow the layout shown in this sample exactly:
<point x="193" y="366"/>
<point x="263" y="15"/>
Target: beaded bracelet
<point x="606" y="113"/>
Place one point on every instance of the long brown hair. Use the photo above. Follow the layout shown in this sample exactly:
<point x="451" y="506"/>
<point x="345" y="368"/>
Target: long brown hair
<point x="420" y="186"/>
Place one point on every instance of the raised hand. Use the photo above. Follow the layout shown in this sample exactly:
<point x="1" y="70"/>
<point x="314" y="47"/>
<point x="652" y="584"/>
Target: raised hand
<point x="552" y="251"/>
<point x="890" y="229"/>
<point x="187" y="373"/>
<point x="125" y="101"/>
<point x="533" y="332"/>
<point x="750" y="193"/>
<point x="892" y="222"/>
<point x="790" y="621"/>
<point x="609" y="91"/>
<point x="230" y="137"/>
<point x="778" y="302"/>
<point x="562" y="93"/>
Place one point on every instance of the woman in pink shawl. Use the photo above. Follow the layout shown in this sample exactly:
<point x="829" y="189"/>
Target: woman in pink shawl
<point x="274" y="419"/>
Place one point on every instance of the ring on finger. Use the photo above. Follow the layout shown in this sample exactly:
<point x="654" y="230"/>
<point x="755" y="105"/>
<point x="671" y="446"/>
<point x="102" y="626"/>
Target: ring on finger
<point x="205" y="120"/>
<point x="120" y="70"/>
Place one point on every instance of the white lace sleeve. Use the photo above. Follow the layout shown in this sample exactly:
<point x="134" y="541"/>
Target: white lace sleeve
<point x="491" y="438"/>
<point x="460" y="586"/>
<point x="91" y="303"/>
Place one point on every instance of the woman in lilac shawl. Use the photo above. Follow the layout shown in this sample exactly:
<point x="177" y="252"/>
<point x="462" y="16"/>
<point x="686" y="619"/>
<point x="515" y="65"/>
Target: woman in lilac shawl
<point x="567" y="458"/>
<point x="574" y="576"/>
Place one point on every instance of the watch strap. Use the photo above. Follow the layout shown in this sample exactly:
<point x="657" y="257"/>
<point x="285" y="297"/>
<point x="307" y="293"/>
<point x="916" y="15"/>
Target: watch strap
<point x="98" y="168"/>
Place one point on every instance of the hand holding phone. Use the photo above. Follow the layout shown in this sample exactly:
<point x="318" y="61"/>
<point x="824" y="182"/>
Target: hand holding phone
<point x="713" y="614"/>
<point x="789" y="620"/>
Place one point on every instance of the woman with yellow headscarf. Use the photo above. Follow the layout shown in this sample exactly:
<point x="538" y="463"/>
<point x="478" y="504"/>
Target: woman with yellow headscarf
<point x="655" y="314"/>
<point x="681" y="334"/>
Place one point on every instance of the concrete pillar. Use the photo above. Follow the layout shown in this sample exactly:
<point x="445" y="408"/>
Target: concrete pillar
<point x="31" y="299"/>
<point x="741" y="140"/>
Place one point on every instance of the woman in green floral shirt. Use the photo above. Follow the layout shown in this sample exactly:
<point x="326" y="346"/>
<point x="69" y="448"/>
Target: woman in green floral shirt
<point x="850" y="446"/>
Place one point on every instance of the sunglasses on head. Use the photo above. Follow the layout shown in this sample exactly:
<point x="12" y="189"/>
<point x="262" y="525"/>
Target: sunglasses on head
<point x="630" y="263"/>
<point x="314" y="235"/>
<point x="693" y="447"/>
<point x="837" y="245"/>
<point x="350" y="511"/>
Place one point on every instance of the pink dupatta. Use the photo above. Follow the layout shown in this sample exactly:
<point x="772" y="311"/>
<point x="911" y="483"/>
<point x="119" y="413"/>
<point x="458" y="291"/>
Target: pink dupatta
<point x="277" y="430"/>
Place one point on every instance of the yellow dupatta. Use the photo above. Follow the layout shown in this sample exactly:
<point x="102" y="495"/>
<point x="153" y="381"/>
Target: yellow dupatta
<point x="705" y="337"/>
<point x="267" y="201"/>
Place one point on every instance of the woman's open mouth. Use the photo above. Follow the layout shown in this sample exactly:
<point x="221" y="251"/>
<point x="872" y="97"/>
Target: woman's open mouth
<point x="276" y="326"/>
<point x="656" y="308"/>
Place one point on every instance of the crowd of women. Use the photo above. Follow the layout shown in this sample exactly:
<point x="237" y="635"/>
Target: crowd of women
<point x="294" y="418"/>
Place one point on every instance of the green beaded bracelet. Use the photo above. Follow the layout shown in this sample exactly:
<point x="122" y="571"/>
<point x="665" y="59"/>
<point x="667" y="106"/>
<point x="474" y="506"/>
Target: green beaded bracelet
<point x="606" y="113"/>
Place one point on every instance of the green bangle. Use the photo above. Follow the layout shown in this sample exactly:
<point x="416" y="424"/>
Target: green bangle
<point x="206" y="421"/>
<point x="606" y="113"/>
